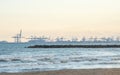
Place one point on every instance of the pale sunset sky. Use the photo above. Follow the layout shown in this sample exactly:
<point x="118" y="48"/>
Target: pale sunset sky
<point x="59" y="18"/>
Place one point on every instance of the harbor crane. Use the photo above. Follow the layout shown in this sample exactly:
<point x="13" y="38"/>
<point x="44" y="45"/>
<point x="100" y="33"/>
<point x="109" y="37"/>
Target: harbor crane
<point x="18" y="37"/>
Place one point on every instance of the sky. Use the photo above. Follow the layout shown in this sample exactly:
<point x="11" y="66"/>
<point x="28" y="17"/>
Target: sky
<point x="68" y="18"/>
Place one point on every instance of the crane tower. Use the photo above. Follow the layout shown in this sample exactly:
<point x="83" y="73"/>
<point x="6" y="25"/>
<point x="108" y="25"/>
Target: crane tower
<point x="18" y="37"/>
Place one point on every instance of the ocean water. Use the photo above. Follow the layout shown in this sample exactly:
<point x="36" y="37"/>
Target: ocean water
<point x="17" y="58"/>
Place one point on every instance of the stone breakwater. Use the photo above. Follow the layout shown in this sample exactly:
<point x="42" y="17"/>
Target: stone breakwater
<point x="74" y="46"/>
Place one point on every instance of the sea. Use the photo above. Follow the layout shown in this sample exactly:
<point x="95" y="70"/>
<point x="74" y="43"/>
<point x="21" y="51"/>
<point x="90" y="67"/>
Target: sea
<point x="17" y="58"/>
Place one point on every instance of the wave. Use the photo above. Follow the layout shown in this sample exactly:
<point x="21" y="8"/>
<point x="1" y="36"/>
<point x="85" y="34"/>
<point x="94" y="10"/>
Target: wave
<point x="9" y="60"/>
<point x="3" y="60"/>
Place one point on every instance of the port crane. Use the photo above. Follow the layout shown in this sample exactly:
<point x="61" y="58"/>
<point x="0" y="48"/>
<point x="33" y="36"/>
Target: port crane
<point x="18" y="37"/>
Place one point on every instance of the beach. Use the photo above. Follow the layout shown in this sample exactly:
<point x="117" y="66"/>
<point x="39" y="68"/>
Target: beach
<point x="72" y="72"/>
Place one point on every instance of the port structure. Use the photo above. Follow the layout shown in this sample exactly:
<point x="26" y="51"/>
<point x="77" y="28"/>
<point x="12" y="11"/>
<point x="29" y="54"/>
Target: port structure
<point x="18" y="37"/>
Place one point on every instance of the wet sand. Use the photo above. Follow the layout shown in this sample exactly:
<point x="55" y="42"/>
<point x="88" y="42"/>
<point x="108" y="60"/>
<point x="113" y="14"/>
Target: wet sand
<point x="72" y="72"/>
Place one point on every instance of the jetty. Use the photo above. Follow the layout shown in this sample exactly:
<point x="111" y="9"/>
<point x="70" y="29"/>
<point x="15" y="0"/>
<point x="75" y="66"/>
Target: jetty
<point x="74" y="46"/>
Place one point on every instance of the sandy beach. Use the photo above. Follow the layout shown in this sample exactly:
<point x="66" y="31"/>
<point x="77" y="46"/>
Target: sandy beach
<point x="72" y="72"/>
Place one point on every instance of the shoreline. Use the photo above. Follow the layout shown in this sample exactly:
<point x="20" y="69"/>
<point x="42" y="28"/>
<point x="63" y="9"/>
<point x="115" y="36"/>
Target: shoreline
<point x="103" y="71"/>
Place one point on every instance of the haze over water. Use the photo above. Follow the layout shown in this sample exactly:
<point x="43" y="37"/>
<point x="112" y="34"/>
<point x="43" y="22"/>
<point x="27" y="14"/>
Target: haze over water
<point x="59" y="18"/>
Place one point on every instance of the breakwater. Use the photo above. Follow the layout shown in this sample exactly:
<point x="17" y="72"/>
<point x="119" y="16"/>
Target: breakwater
<point x="74" y="46"/>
